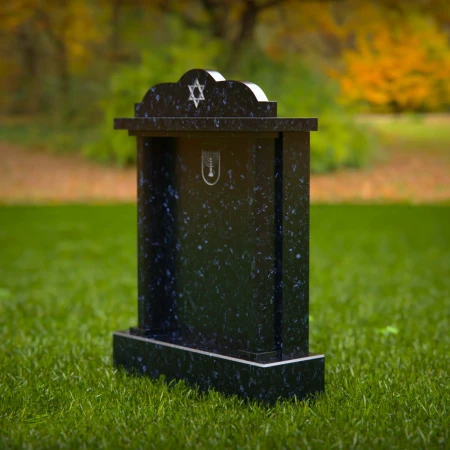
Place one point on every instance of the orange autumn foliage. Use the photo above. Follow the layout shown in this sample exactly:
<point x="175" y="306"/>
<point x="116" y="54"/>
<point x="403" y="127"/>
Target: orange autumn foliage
<point x="401" y="66"/>
<point x="388" y="55"/>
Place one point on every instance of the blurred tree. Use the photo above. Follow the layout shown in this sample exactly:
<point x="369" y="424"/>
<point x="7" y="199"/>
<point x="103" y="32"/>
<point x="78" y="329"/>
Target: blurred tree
<point x="306" y="27"/>
<point x="437" y="9"/>
<point x="115" y="28"/>
<point x="117" y="14"/>
<point x="400" y="62"/>
<point x="71" y="27"/>
<point x="19" y="33"/>
<point x="390" y="55"/>
<point x="65" y="29"/>
<point x="78" y="43"/>
<point x="232" y="21"/>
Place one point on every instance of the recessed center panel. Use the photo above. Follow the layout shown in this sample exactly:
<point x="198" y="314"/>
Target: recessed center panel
<point x="220" y="199"/>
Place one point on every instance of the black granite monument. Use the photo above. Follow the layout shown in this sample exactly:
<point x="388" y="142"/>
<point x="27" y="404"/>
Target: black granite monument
<point x="223" y="241"/>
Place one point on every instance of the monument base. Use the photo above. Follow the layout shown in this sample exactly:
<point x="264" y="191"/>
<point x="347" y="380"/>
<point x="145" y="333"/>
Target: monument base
<point x="228" y="374"/>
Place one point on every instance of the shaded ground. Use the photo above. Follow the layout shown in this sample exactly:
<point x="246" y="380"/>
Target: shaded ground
<point x="37" y="176"/>
<point x="414" y="177"/>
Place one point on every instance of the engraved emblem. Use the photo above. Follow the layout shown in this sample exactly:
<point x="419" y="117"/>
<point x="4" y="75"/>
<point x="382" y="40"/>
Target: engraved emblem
<point x="200" y="88"/>
<point x="210" y="167"/>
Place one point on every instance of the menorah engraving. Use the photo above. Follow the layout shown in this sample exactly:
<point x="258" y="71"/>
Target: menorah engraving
<point x="211" y="160"/>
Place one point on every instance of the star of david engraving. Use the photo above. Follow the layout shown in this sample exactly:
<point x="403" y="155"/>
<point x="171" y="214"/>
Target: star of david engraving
<point x="200" y="88"/>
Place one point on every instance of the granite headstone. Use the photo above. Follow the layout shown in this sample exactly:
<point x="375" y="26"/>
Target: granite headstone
<point x="223" y="241"/>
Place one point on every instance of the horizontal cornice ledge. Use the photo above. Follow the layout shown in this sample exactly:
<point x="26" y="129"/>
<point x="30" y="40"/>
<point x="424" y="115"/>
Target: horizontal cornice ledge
<point x="232" y="124"/>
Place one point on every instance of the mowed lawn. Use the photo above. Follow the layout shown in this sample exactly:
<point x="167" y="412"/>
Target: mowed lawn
<point x="380" y="306"/>
<point x="423" y="133"/>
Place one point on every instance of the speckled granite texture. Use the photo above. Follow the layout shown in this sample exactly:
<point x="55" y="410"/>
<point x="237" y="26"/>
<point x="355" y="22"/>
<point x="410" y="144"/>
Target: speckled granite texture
<point x="223" y="241"/>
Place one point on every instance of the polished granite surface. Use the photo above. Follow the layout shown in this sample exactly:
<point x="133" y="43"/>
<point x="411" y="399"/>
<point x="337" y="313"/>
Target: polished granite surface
<point x="223" y="240"/>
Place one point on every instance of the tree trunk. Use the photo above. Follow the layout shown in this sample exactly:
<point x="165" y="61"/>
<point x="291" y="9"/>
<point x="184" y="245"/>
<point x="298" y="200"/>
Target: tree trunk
<point x="115" y="29"/>
<point x="64" y="104"/>
<point x="246" y="33"/>
<point x="30" y="59"/>
<point x="247" y="27"/>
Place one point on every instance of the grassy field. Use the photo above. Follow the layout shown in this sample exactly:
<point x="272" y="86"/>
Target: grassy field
<point x="44" y="134"/>
<point x="417" y="133"/>
<point x="380" y="312"/>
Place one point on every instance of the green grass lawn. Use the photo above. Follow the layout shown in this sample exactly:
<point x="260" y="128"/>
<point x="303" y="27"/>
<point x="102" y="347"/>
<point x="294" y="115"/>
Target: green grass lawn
<point x="41" y="134"/>
<point x="380" y="305"/>
<point x="413" y="132"/>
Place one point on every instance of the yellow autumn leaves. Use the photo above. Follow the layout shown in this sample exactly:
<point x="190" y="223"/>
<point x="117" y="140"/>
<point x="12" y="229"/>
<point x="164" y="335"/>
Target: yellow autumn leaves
<point x="387" y="56"/>
<point x="403" y="66"/>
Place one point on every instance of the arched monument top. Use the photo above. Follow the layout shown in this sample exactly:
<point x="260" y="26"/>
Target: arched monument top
<point x="205" y="93"/>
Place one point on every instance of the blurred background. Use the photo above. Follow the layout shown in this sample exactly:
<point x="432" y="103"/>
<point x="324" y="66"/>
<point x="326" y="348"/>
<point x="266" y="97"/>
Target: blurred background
<point x="376" y="73"/>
